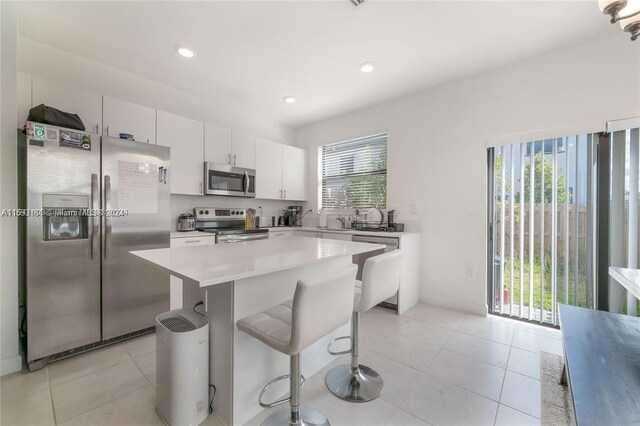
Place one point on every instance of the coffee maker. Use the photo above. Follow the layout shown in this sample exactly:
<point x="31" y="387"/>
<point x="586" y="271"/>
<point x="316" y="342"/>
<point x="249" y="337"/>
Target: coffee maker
<point x="292" y="216"/>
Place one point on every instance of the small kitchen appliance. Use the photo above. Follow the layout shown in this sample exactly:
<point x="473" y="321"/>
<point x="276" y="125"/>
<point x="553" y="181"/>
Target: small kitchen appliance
<point x="292" y="216"/>
<point x="228" y="224"/>
<point x="266" y="221"/>
<point x="186" y="222"/>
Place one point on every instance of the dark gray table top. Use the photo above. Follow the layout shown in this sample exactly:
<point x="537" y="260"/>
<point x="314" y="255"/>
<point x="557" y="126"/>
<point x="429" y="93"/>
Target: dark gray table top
<point x="602" y="354"/>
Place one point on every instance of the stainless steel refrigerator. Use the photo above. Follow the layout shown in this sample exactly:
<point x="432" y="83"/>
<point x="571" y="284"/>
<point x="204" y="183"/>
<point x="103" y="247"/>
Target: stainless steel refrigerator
<point x="100" y="198"/>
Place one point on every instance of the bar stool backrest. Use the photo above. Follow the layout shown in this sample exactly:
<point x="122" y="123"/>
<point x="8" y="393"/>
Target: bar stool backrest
<point x="320" y="306"/>
<point x="380" y="279"/>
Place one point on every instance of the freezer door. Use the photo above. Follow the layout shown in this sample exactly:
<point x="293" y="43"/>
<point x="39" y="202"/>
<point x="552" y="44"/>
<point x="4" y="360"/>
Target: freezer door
<point x="135" y="181"/>
<point x="62" y="249"/>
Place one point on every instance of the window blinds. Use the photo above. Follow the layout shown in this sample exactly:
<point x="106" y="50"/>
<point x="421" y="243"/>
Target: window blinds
<point x="354" y="173"/>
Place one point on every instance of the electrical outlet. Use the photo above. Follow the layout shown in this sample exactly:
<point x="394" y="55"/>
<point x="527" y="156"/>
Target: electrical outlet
<point x="471" y="273"/>
<point x="471" y="211"/>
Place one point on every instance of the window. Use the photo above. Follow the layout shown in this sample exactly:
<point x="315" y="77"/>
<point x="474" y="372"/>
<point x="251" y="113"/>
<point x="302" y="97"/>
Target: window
<point x="354" y="174"/>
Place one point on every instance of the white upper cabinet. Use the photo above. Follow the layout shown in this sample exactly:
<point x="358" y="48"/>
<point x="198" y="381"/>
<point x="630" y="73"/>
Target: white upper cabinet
<point x="217" y="144"/>
<point x="87" y="105"/>
<point x="23" y="95"/>
<point x="229" y="147"/>
<point x="126" y="117"/>
<point x="294" y="173"/>
<point x="185" y="137"/>
<point x="243" y="150"/>
<point x="281" y="171"/>
<point x="268" y="169"/>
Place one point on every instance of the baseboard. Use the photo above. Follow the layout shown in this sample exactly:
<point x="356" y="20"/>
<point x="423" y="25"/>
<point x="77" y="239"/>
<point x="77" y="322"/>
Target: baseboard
<point x="456" y="305"/>
<point x="11" y="365"/>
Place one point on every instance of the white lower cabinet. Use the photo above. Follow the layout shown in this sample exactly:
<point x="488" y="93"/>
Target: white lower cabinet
<point x="175" y="285"/>
<point x="185" y="137"/>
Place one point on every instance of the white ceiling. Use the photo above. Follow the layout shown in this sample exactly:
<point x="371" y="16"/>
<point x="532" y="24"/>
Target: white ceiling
<point x="249" y="55"/>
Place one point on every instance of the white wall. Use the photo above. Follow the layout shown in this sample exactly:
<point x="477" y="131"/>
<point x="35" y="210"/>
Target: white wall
<point x="437" y="147"/>
<point x="83" y="74"/>
<point x="58" y="65"/>
<point x="9" y="346"/>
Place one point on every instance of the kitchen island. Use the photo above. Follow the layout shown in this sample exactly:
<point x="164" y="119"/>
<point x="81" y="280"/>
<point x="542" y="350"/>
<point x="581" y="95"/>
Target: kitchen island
<point x="240" y="279"/>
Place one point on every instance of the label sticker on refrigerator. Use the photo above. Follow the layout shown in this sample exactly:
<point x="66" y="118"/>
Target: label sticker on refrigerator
<point x="71" y="139"/>
<point x="138" y="187"/>
<point x="39" y="132"/>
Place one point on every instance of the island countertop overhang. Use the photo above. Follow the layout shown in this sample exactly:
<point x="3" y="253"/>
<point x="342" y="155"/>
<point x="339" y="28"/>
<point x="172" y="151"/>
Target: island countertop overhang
<point x="215" y="264"/>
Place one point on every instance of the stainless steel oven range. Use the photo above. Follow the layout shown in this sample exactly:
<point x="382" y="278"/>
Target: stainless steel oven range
<point x="227" y="224"/>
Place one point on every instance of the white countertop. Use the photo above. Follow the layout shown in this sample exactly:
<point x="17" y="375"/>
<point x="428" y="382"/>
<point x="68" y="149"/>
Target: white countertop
<point x="215" y="264"/>
<point x="341" y="231"/>
<point x="628" y="278"/>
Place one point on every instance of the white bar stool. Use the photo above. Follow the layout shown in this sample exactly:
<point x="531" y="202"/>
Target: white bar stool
<point x="380" y="281"/>
<point x="318" y="307"/>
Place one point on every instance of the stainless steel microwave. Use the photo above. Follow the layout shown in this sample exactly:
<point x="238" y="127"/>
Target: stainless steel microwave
<point x="225" y="179"/>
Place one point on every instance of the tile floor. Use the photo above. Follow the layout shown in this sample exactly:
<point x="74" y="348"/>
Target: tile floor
<point x="440" y="367"/>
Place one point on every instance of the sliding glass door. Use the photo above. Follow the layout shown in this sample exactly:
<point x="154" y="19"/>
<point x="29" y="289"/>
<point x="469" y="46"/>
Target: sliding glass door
<point x="542" y="227"/>
<point x="624" y="220"/>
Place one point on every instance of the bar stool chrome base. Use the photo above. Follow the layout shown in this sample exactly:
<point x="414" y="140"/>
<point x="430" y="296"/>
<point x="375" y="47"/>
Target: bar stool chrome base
<point x="308" y="417"/>
<point x="354" y="385"/>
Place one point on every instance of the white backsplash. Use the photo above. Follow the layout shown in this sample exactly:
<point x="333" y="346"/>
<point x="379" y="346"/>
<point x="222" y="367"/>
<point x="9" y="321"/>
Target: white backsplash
<point x="185" y="204"/>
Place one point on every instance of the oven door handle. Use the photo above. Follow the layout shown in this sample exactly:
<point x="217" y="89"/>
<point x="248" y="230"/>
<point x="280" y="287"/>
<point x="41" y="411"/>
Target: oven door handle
<point x="241" y="238"/>
<point x="245" y="183"/>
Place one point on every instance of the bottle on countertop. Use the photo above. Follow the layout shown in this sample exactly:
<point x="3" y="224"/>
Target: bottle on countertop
<point x="250" y="219"/>
<point x="322" y="222"/>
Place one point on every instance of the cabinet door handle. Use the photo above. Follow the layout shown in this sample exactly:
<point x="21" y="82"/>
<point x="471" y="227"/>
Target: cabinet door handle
<point x="229" y="158"/>
<point x="285" y="194"/>
<point x="97" y="127"/>
<point x="107" y="130"/>
<point x="200" y="187"/>
<point x="234" y="159"/>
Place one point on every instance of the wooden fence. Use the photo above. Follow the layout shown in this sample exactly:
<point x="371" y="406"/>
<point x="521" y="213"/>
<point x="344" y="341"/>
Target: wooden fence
<point x="577" y="223"/>
<point x="575" y="213"/>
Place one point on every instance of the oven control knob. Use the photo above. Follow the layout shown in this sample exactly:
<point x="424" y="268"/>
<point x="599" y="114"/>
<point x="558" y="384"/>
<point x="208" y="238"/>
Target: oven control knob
<point x="234" y="212"/>
<point x="206" y="212"/>
<point x="200" y="212"/>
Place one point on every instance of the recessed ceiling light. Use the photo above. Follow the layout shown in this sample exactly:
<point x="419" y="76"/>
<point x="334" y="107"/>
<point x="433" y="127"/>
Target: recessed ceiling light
<point x="187" y="53"/>
<point x="289" y="99"/>
<point x="366" y="67"/>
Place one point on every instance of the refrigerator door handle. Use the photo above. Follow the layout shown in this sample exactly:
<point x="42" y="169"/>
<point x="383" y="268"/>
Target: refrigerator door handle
<point x="107" y="221"/>
<point x="95" y="202"/>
